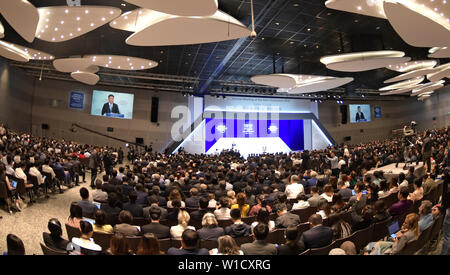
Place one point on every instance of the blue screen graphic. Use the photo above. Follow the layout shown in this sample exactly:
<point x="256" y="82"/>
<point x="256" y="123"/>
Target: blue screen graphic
<point x="290" y="131"/>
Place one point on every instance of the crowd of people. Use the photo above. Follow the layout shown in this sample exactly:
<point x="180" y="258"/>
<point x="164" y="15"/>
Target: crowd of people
<point x="183" y="188"/>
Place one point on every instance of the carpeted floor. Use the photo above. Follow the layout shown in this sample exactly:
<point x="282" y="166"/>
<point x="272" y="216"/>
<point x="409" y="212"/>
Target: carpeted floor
<point x="29" y="224"/>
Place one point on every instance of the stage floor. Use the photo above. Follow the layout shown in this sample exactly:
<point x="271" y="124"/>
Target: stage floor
<point x="391" y="171"/>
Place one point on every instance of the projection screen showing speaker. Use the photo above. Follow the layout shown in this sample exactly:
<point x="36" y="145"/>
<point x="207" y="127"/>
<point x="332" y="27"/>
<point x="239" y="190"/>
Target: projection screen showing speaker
<point x="112" y="104"/>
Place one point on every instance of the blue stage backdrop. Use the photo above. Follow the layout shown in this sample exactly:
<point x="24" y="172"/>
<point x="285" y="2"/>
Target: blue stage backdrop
<point x="290" y="131"/>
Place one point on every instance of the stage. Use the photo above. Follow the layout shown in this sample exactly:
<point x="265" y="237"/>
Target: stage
<point x="391" y="171"/>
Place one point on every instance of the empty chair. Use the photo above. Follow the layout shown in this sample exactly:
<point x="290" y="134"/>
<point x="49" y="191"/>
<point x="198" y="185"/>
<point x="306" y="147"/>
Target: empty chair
<point x="48" y="251"/>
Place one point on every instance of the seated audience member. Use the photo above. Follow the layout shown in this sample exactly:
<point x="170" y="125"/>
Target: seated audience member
<point x="428" y="183"/>
<point x="126" y="187"/>
<point x="315" y="197"/>
<point x="285" y="218"/>
<point x="132" y="206"/>
<point x="112" y="207"/>
<point x="393" y="186"/>
<point x="210" y="229"/>
<point x="189" y="245"/>
<point x="84" y="244"/>
<point x="261" y="203"/>
<point x="328" y="192"/>
<point x="176" y="231"/>
<point x="338" y="205"/>
<point x="381" y="212"/>
<point x="400" y="207"/>
<point x="302" y="202"/>
<point x="87" y="206"/>
<point x="384" y="189"/>
<point x="98" y="194"/>
<point x="318" y="235"/>
<point x="241" y="204"/>
<point x="54" y="240"/>
<point x="226" y="246"/>
<point x="263" y="217"/>
<point x="76" y="215"/>
<point x="100" y="223"/>
<point x="336" y="251"/>
<point x="294" y="188"/>
<point x="238" y="228"/>
<point x="125" y="227"/>
<point x="192" y="201"/>
<point x="365" y="220"/>
<point x="292" y="246"/>
<point x="175" y="195"/>
<point x="417" y="195"/>
<point x="161" y="231"/>
<point x="349" y="248"/>
<point x="149" y="245"/>
<point x="344" y="191"/>
<point x="341" y="229"/>
<point x="426" y="217"/>
<point x="402" y="182"/>
<point x="173" y="215"/>
<point x="142" y="196"/>
<point x="212" y="203"/>
<point x="197" y="215"/>
<point x="259" y="246"/>
<point x="223" y="213"/>
<point x="14" y="245"/>
<point x="359" y="200"/>
<point x="372" y="194"/>
<point x="118" y="245"/>
<point x="324" y="209"/>
<point x="154" y="202"/>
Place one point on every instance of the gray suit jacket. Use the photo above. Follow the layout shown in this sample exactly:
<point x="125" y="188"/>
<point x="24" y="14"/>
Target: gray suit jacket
<point x="126" y="229"/>
<point x="259" y="248"/>
<point x="314" y="201"/>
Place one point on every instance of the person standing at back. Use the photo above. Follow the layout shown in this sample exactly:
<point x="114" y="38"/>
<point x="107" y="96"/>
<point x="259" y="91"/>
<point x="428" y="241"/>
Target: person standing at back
<point x="94" y="163"/>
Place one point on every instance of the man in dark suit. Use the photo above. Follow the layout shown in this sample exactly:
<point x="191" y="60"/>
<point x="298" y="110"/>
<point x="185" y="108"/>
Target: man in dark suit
<point x="359" y="115"/>
<point x="285" y="218"/>
<point x="189" y="243"/>
<point x="110" y="106"/>
<point x="259" y="246"/>
<point x="192" y="201"/>
<point x="134" y="208"/>
<point x="197" y="215"/>
<point x="161" y="231"/>
<point x="318" y="235"/>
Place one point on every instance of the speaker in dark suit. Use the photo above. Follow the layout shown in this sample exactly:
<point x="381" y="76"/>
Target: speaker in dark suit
<point x="359" y="115"/>
<point x="110" y="106"/>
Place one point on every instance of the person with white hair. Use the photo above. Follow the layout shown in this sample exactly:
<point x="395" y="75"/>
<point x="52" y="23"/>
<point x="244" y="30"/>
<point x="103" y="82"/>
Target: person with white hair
<point x="210" y="228"/>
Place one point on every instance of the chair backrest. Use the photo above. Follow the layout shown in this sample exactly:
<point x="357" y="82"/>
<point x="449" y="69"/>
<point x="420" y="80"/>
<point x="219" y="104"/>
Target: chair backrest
<point x="133" y="243"/>
<point x="362" y="237"/>
<point x="72" y="232"/>
<point x="102" y="239"/>
<point x="48" y="251"/>
<point x="112" y="220"/>
<point x="276" y="236"/>
<point x="190" y="210"/>
<point x="390" y="200"/>
<point x="209" y="244"/>
<point x="175" y="243"/>
<point x="168" y="223"/>
<point x="302" y="228"/>
<point x="380" y="229"/>
<point x="306" y="252"/>
<point x="273" y="216"/>
<point x="440" y="189"/>
<point x="347" y="217"/>
<point x="322" y="250"/>
<point x="21" y="189"/>
<point x="88" y="215"/>
<point x="249" y="220"/>
<point x="139" y="221"/>
<point x="304" y="214"/>
<point x="33" y="180"/>
<point x="3" y="190"/>
<point x="164" y="245"/>
<point x="241" y="240"/>
<point x="437" y="225"/>
<point x="196" y="223"/>
<point x="224" y="223"/>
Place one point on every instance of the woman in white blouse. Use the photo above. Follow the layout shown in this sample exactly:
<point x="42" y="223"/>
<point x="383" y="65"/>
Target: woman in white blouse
<point x="418" y="191"/>
<point x="183" y="224"/>
<point x="263" y="217"/>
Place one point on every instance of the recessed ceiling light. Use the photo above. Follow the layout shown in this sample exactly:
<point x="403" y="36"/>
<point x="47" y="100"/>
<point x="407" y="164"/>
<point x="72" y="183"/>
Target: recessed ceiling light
<point x="277" y="23"/>
<point x="296" y="5"/>
<point x="309" y="29"/>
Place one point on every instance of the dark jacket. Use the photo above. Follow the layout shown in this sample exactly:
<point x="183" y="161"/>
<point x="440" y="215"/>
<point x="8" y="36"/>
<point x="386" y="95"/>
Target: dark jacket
<point x="296" y="249"/>
<point x="197" y="215"/>
<point x="259" y="247"/>
<point x="142" y="198"/>
<point x="318" y="236"/>
<point x="192" y="202"/>
<point x="55" y="243"/>
<point x="209" y="234"/>
<point x="161" y="231"/>
<point x="237" y="230"/>
<point x="106" y="110"/>
<point x="197" y="251"/>
<point x="135" y="209"/>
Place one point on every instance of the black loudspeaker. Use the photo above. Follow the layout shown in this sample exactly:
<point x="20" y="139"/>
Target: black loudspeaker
<point x="155" y="103"/>
<point x="139" y="140"/>
<point x="45" y="126"/>
<point x="347" y="138"/>
<point x="344" y="114"/>
<point x="110" y="129"/>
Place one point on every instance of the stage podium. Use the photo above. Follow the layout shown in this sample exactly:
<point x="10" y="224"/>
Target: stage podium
<point x="115" y="115"/>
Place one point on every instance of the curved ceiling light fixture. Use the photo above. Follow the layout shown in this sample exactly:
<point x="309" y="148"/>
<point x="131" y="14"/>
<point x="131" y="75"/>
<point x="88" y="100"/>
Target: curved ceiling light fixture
<point x="22" y="16"/>
<point x="84" y="68"/>
<point x="297" y="84"/>
<point x="2" y="30"/>
<point x="420" y="23"/>
<point x="441" y="72"/>
<point x="179" y="7"/>
<point x="411" y="74"/>
<point x="427" y="88"/>
<point x="439" y="52"/>
<point x="401" y="91"/>
<point x="62" y="23"/>
<point x="363" y="61"/>
<point x="412" y="65"/>
<point x="21" y="53"/>
<point x="364" y="7"/>
<point x="404" y="84"/>
<point x="153" y="28"/>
